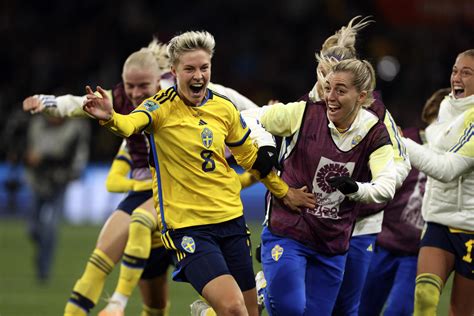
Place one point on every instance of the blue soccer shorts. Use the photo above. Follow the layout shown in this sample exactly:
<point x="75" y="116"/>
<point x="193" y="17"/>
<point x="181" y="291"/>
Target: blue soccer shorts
<point x="133" y="200"/>
<point x="460" y="244"/>
<point x="205" y="252"/>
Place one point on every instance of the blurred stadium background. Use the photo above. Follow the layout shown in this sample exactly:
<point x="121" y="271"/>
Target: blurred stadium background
<point x="265" y="50"/>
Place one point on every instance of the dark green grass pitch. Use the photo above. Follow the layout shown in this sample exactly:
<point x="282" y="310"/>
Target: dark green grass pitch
<point x="21" y="295"/>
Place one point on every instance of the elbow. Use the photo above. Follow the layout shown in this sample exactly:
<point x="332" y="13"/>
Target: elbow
<point x="445" y="178"/>
<point x="110" y="185"/>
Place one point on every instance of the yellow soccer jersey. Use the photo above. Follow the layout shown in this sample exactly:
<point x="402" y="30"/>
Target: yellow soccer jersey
<point x="193" y="182"/>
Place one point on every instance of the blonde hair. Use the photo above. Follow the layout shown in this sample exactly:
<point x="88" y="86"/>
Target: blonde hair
<point x="339" y="46"/>
<point x="154" y="56"/>
<point x="190" y="41"/>
<point x="363" y="76"/>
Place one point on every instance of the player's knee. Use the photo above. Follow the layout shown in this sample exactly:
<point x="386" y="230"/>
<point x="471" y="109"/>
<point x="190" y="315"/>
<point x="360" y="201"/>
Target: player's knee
<point x="232" y="307"/>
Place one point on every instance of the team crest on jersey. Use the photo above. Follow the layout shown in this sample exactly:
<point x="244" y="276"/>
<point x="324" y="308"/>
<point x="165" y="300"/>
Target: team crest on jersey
<point x="356" y="140"/>
<point x="277" y="252"/>
<point x="150" y="105"/>
<point x="188" y="244"/>
<point x="242" y="122"/>
<point x="207" y="137"/>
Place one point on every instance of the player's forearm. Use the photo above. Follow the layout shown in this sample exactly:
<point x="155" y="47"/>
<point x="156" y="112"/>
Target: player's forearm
<point x="275" y="185"/>
<point x="379" y="190"/>
<point x="127" y="125"/>
<point x="443" y="167"/>
<point x="247" y="179"/>
<point x="382" y="186"/>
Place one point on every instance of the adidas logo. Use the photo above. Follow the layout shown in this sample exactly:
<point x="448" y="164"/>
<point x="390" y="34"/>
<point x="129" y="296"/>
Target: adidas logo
<point x="201" y="122"/>
<point x="370" y="248"/>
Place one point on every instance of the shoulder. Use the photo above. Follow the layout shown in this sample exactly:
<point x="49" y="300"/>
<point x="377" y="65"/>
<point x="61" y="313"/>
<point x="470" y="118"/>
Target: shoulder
<point x="216" y="97"/>
<point x="369" y="119"/>
<point x="164" y="96"/>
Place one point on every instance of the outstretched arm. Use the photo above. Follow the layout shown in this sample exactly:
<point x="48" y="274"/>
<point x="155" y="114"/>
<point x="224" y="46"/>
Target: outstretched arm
<point x="57" y="106"/>
<point x="101" y="108"/>
<point x="443" y="167"/>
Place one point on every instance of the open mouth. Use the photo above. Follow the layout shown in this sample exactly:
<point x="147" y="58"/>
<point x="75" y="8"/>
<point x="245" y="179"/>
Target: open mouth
<point x="458" y="92"/>
<point x="196" y="88"/>
<point x="333" y="108"/>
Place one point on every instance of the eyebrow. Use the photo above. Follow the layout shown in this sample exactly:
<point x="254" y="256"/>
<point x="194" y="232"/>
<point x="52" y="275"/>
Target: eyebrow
<point x="465" y="67"/>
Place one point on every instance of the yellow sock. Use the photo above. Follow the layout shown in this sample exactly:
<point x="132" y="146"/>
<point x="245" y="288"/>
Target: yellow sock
<point x="210" y="312"/>
<point x="148" y="311"/>
<point x="136" y="252"/>
<point x="88" y="288"/>
<point x="427" y="291"/>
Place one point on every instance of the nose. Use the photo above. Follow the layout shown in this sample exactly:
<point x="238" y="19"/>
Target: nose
<point x="136" y="92"/>
<point x="331" y="95"/>
<point x="456" y="76"/>
<point x="197" y="74"/>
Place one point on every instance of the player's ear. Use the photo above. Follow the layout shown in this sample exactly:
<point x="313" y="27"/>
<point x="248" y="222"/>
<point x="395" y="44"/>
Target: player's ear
<point x="173" y="70"/>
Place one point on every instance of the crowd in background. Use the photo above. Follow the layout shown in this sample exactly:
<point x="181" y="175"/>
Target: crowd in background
<point x="264" y="46"/>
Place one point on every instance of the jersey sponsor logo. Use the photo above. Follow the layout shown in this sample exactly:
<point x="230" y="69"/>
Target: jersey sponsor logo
<point x="328" y="199"/>
<point x="242" y="122"/>
<point x="277" y="252"/>
<point x="151" y="106"/>
<point x="207" y="137"/>
<point x="188" y="244"/>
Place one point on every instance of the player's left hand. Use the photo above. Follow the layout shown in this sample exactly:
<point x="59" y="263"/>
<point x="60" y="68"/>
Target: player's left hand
<point x="346" y="185"/>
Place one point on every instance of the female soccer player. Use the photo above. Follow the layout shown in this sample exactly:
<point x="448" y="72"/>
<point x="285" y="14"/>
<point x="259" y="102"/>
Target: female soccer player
<point x="195" y="190"/>
<point x="342" y="153"/>
<point x="448" y="204"/>
<point x="145" y="72"/>
<point x="390" y="281"/>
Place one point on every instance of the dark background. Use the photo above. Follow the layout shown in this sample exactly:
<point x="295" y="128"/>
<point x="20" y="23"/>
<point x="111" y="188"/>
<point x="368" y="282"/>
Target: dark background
<point x="264" y="49"/>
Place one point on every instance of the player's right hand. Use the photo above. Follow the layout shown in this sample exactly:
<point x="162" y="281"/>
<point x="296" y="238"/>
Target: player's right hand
<point x="297" y="199"/>
<point x="33" y="105"/>
<point x="98" y="106"/>
<point x="39" y="102"/>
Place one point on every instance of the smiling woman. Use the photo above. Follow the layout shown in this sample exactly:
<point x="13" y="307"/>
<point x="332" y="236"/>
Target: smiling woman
<point x="448" y="205"/>
<point x="195" y="190"/>
<point x="191" y="67"/>
<point x="342" y="152"/>
<point x="348" y="88"/>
